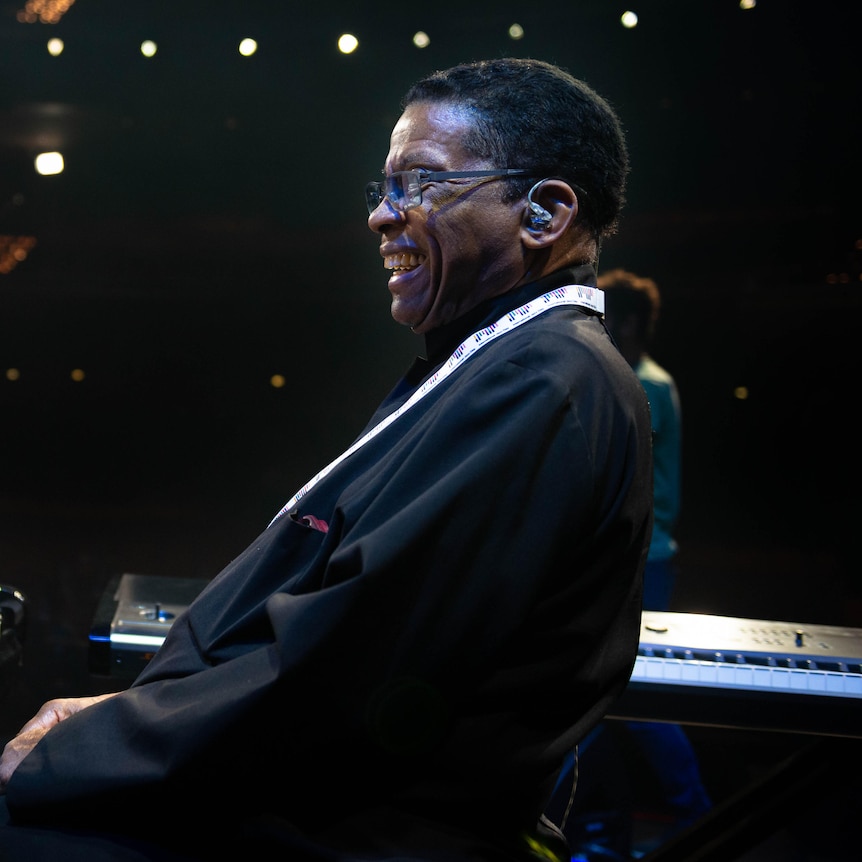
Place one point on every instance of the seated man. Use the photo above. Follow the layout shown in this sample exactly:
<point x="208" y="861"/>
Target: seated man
<point x="396" y="667"/>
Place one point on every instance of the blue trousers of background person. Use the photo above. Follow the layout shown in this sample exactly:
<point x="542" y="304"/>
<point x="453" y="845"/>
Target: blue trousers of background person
<point x="666" y="747"/>
<point x="619" y="755"/>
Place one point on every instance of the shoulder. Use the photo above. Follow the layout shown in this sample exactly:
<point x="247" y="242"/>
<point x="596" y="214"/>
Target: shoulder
<point x="650" y="371"/>
<point x="567" y="355"/>
<point x="568" y="339"/>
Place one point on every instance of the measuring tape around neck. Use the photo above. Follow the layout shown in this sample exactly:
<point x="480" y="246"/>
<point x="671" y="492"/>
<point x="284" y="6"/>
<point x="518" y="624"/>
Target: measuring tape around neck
<point x="571" y="294"/>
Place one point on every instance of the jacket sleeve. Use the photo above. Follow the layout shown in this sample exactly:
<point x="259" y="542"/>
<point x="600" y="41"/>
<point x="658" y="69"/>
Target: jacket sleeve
<point x="479" y="558"/>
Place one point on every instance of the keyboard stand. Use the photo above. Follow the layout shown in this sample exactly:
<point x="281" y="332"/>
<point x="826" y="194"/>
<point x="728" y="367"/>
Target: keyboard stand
<point x="786" y="793"/>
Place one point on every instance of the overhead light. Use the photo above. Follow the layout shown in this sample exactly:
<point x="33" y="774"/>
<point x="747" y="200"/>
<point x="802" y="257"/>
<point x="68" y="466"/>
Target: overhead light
<point x="247" y="47"/>
<point x="347" y="43"/>
<point x="49" y="164"/>
<point x="43" y="11"/>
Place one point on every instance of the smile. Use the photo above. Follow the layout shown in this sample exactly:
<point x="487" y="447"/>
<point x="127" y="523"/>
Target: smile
<point x="403" y="262"/>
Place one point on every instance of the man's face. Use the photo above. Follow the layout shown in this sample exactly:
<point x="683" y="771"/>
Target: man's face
<point x="461" y="245"/>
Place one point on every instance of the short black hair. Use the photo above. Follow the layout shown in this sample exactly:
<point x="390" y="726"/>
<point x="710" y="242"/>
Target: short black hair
<point x="629" y="294"/>
<point x="535" y="115"/>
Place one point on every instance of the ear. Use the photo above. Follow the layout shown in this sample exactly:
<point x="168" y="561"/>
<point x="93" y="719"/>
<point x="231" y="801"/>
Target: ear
<point x="551" y="208"/>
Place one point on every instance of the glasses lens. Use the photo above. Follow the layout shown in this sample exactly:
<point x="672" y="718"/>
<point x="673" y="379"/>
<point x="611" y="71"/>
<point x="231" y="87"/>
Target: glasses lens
<point x="373" y="196"/>
<point x="403" y="189"/>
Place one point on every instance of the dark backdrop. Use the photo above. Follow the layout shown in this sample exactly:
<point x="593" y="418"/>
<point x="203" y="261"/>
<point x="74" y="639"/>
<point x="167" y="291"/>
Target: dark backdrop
<point x="209" y="232"/>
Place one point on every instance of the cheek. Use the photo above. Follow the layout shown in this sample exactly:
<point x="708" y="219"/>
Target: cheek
<point x="453" y="240"/>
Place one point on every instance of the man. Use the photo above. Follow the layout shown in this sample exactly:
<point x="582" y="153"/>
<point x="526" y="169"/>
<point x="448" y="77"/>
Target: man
<point x="397" y="666"/>
<point x="632" y="307"/>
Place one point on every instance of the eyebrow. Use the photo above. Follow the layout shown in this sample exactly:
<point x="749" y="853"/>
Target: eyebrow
<point x="423" y="156"/>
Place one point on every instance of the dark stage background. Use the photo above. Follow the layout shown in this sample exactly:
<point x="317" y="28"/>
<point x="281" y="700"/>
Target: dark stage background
<point x="209" y="232"/>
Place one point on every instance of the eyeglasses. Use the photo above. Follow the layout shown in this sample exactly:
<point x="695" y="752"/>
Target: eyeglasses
<point x="403" y="189"/>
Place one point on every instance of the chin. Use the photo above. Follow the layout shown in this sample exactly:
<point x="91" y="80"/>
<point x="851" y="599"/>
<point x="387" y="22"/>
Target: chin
<point x="405" y="315"/>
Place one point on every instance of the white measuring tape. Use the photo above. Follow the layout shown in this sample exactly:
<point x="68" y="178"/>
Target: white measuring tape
<point x="571" y="294"/>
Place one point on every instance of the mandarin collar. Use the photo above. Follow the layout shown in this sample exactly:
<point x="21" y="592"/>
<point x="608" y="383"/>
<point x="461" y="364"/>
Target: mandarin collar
<point x="440" y="342"/>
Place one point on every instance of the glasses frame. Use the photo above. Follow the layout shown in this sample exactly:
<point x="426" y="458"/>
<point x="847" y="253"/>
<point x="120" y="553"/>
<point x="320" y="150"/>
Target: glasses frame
<point x="377" y="192"/>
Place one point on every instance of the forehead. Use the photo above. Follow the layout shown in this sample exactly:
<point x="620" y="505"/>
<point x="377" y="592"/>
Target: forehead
<point x="430" y="134"/>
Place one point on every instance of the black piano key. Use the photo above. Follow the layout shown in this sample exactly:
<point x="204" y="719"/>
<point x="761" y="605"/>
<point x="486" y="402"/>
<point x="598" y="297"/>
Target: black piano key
<point x="838" y="666"/>
<point x="761" y="660"/>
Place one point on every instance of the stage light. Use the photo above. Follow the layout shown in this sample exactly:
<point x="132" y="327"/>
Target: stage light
<point x="149" y="48"/>
<point x="247" y="47"/>
<point x="347" y="43"/>
<point x="55" y="47"/>
<point x="44" y="11"/>
<point x="48" y="164"/>
<point x="14" y="250"/>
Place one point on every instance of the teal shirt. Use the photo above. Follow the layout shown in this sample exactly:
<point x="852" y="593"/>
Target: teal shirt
<point x="667" y="454"/>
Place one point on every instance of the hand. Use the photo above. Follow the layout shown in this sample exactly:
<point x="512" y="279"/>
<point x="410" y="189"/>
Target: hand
<point x="49" y="714"/>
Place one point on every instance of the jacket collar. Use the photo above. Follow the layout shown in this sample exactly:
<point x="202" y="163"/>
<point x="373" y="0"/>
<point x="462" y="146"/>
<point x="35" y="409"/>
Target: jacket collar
<point x="440" y="342"/>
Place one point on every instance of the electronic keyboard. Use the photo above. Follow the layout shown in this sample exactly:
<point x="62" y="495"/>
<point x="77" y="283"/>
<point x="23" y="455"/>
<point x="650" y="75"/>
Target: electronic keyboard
<point x="748" y="673"/>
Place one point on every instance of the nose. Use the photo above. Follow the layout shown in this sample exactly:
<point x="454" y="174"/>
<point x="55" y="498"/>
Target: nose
<point x="385" y="214"/>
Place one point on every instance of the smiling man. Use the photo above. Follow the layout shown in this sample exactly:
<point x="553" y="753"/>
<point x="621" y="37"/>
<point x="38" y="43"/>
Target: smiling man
<point x="397" y="667"/>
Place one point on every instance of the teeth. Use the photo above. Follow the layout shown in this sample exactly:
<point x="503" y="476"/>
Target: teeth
<point x="402" y="262"/>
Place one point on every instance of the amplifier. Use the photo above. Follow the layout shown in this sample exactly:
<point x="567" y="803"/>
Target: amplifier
<point x="132" y="619"/>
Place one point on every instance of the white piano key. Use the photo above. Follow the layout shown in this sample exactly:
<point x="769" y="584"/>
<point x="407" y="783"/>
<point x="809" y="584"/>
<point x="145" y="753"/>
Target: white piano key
<point x="653" y="669"/>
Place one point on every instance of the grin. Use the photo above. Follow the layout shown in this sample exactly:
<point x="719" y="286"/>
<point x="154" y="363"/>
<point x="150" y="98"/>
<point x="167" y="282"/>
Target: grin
<point x="403" y="262"/>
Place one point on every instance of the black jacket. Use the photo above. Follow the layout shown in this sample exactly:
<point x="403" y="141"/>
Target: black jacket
<point x="398" y="664"/>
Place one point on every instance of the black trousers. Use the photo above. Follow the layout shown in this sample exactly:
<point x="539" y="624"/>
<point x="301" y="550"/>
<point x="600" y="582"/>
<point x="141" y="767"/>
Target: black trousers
<point x="32" y="844"/>
<point x="263" y="839"/>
